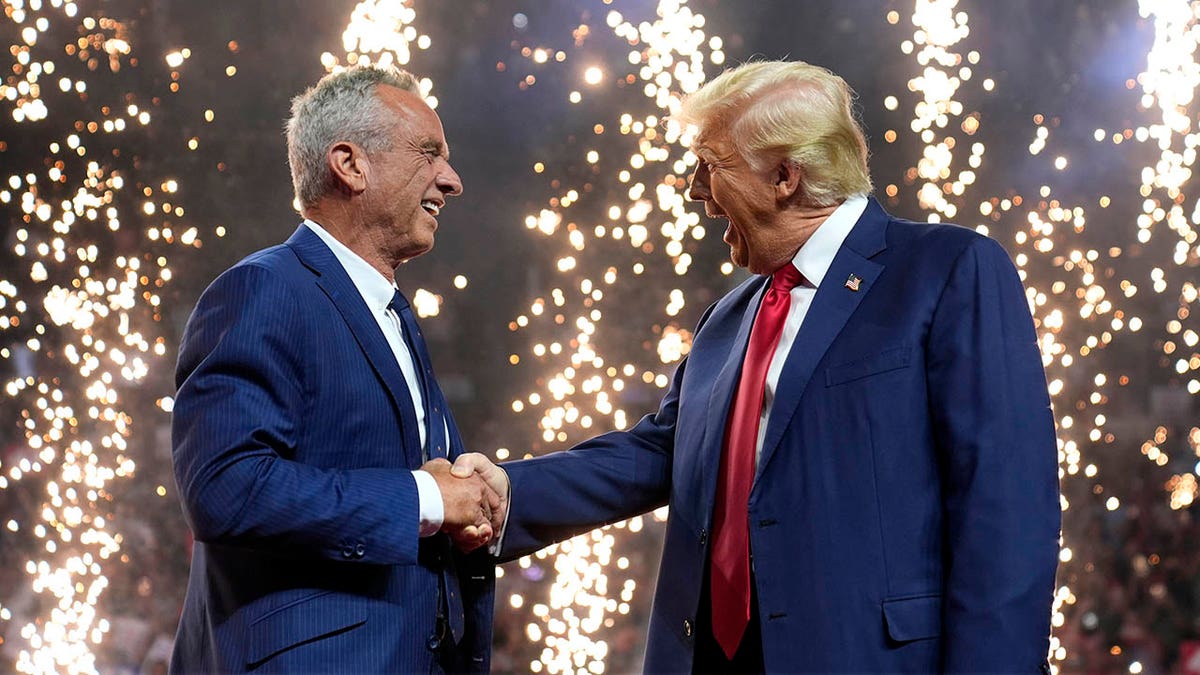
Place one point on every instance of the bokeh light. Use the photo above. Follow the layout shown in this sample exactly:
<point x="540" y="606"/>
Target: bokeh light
<point x="90" y="234"/>
<point x="100" y="229"/>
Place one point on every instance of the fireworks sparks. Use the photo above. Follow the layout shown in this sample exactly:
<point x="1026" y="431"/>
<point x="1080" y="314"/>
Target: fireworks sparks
<point x="77" y="315"/>
<point x="627" y="207"/>
<point x="382" y="33"/>
<point x="645" y="225"/>
<point x="1077" y="295"/>
<point x="90" y="234"/>
<point x="939" y="30"/>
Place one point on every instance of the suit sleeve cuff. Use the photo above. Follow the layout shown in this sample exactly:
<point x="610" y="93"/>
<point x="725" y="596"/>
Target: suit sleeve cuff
<point x="431" y="509"/>
<point x="497" y="543"/>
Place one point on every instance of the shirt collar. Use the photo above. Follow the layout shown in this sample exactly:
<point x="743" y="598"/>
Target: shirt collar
<point x="374" y="288"/>
<point x="816" y="255"/>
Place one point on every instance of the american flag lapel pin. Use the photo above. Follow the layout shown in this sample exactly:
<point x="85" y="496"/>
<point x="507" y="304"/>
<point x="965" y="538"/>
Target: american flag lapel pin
<point x="853" y="282"/>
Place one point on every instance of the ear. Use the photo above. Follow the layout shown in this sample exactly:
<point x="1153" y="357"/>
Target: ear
<point x="349" y="167"/>
<point x="787" y="178"/>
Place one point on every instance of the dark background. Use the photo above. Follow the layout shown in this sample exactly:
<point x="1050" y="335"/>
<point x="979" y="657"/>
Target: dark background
<point x="1133" y="577"/>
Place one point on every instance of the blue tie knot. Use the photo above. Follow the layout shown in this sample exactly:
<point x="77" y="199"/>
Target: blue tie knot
<point x="399" y="303"/>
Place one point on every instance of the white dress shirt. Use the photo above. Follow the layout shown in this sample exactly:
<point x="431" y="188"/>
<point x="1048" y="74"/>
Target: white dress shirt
<point x="376" y="292"/>
<point x="813" y="261"/>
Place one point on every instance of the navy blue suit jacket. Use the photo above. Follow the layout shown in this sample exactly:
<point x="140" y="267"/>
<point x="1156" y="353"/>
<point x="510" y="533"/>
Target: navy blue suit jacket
<point x="905" y="513"/>
<point x="294" y="439"/>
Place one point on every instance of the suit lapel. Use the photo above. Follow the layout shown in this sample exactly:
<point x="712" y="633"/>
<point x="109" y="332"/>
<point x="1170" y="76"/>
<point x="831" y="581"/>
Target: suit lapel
<point x="832" y="306"/>
<point x="333" y="280"/>
<point x="722" y="396"/>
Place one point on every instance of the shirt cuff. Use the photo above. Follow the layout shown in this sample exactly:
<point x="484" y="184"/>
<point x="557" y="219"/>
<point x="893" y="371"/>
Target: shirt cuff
<point x="433" y="512"/>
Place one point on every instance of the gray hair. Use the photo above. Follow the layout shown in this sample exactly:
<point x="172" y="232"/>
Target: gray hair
<point x="342" y="106"/>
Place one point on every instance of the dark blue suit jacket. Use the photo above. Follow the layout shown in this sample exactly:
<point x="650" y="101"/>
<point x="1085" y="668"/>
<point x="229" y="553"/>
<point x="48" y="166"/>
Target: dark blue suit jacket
<point x="905" y="515"/>
<point x="294" y="439"/>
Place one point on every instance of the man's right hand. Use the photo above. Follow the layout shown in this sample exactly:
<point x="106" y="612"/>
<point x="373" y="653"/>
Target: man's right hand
<point x="496" y="478"/>
<point x="468" y="504"/>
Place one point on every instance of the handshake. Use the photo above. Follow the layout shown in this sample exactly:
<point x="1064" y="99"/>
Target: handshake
<point x="474" y="498"/>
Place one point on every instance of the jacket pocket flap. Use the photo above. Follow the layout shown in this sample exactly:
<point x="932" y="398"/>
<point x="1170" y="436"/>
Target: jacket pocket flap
<point x="296" y="623"/>
<point x="913" y="618"/>
<point x="889" y="359"/>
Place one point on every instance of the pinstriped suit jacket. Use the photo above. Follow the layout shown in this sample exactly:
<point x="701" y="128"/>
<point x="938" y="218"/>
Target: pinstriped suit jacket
<point x="294" y="438"/>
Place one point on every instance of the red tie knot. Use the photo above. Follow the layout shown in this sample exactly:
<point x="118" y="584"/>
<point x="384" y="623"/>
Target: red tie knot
<point x="786" y="278"/>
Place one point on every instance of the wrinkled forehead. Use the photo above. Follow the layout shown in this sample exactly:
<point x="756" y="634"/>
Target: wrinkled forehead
<point x="714" y="136"/>
<point x="409" y="106"/>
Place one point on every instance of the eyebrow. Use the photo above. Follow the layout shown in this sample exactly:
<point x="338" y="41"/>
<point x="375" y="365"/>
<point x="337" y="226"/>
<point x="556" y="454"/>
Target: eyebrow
<point x="437" y="147"/>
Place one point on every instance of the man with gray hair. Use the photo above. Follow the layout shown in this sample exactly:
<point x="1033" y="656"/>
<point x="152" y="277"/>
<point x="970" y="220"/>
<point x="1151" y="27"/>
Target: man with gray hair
<point x="858" y="452"/>
<point x="311" y="440"/>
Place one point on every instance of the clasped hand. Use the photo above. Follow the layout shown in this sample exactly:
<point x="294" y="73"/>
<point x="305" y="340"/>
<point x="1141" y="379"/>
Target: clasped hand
<point x="474" y="498"/>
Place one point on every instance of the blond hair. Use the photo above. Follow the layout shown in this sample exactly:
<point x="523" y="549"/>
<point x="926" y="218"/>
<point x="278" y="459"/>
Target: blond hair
<point x="789" y="110"/>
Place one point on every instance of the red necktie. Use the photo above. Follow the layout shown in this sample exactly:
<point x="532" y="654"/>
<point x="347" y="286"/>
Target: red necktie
<point x="730" y="579"/>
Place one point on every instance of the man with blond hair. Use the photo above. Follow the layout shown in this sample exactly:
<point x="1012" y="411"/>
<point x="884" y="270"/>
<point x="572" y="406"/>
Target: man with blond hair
<point x="858" y="453"/>
<point x="311" y="439"/>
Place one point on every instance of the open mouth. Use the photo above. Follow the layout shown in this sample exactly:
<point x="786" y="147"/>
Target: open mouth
<point x="712" y="211"/>
<point x="431" y="207"/>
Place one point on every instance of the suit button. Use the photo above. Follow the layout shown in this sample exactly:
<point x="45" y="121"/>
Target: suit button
<point x="360" y="551"/>
<point x="347" y="551"/>
<point x="433" y="643"/>
<point x="687" y="628"/>
<point x="703" y="537"/>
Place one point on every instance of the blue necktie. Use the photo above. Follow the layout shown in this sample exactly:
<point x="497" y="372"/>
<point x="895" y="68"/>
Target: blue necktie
<point x="435" y="403"/>
<point x="435" y="446"/>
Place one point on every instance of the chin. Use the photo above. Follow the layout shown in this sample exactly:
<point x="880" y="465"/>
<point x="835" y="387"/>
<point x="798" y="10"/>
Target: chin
<point x="415" y="251"/>
<point x="757" y="266"/>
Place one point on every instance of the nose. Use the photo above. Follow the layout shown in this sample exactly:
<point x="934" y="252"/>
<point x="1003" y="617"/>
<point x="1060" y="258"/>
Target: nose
<point x="698" y="187"/>
<point x="448" y="181"/>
